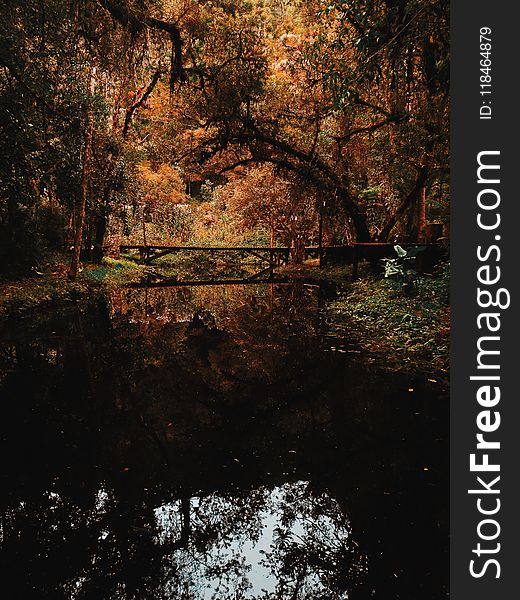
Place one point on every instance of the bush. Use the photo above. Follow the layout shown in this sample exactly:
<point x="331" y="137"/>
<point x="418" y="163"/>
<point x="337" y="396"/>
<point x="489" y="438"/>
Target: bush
<point x="21" y="247"/>
<point x="29" y="235"/>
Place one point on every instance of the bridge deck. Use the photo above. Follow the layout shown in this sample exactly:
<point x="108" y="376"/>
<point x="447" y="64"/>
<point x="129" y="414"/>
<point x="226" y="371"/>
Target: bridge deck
<point x="207" y="248"/>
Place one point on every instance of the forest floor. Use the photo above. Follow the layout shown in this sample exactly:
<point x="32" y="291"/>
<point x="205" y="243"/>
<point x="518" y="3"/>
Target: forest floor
<point x="408" y="332"/>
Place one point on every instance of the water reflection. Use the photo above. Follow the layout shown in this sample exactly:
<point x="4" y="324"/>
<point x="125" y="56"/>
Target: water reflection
<point x="285" y="542"/>
<point x="194" y="443"/>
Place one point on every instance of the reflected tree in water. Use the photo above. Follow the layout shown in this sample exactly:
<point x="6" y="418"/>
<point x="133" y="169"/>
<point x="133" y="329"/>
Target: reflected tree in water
<point x="149" y="457"/>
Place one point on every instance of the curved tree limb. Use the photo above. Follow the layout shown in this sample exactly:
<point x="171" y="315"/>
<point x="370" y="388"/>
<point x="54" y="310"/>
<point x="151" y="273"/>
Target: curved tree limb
<point x="314" y="163"/>
<point x="140" y="101"/>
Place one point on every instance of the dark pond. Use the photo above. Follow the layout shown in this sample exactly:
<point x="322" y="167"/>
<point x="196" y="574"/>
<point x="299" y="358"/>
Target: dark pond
<point x="216" y="442"/>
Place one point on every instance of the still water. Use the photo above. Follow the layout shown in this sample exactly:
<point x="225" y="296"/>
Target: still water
<point x="216" y="442"/>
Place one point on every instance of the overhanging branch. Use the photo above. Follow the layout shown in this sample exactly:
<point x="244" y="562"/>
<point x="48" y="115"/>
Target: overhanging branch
<point x="136" y="23"/>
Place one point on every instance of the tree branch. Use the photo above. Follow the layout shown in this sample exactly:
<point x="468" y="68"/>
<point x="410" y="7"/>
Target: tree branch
<point x="405" y="204"/>
<point x="140" y="101"/>
<point x="368" y="129"/>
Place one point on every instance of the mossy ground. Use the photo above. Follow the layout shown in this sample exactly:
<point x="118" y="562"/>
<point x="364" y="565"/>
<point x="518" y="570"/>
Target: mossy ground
<point x="114" y="272"/>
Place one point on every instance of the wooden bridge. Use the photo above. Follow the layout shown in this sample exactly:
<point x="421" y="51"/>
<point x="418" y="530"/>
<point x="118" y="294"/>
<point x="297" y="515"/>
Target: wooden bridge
<point x="277" y="256"/>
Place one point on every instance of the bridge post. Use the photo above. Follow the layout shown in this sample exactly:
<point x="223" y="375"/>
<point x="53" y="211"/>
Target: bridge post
<point x="355" y="262"/>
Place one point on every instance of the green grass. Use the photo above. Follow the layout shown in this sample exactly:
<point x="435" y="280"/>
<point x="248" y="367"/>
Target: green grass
<point x="410" y="332"/>
<point x="51" y="289"/>
<point x="114" y="272"/>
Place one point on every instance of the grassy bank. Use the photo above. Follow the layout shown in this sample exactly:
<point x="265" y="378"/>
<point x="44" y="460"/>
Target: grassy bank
<point x="410" y="332"/>
<point x="49" y="288"/>
<point x="407" y="332"/>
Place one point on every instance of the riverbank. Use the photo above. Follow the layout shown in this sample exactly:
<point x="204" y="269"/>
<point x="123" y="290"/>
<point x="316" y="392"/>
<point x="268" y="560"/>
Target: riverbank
<point x="48" y="288"/>
<point x="409" y="332"/>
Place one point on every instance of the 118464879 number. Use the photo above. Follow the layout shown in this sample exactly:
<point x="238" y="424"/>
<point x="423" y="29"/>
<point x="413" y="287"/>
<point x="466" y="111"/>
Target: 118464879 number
<point x="485" y="72"/>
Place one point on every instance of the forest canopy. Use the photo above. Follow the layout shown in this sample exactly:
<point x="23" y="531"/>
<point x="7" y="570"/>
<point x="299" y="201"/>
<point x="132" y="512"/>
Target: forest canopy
<point x="270" y="121"/>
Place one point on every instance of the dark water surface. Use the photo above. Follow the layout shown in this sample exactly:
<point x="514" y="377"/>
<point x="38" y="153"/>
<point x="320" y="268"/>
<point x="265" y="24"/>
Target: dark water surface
<point x="216" y="442"/>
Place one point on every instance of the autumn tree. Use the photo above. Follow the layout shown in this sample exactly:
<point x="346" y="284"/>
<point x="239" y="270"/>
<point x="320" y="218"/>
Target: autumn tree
<point x="74" y="75"/>
<point x="347" y="99"/>
<point x="353" y="100"/>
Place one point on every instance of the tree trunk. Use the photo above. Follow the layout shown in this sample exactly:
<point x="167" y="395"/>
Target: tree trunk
<point x="99" y="235"/>
<point x="80" y="218"/>
<point x="298" y="250"/>
<point x="421" y="230"/>
<point x="80" y="215"/>
<point x="405" y="204"/>
<point x="320" y="234"/>
<point x="144" y="228"/>
<point x="356" y="215"/>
